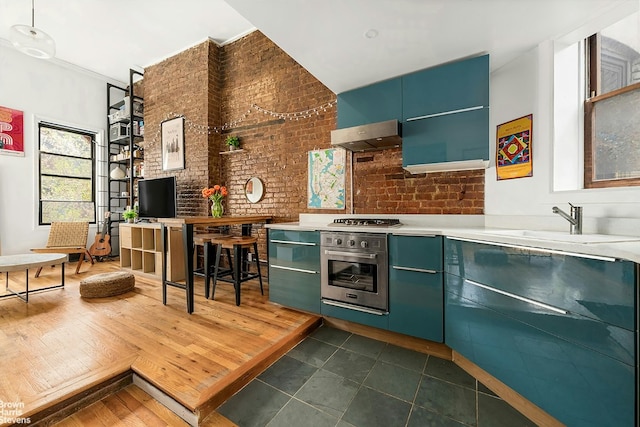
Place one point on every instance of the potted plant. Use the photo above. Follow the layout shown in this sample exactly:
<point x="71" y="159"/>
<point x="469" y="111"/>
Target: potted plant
<point x="130" y="215"/>
<point x="233" y="142"/>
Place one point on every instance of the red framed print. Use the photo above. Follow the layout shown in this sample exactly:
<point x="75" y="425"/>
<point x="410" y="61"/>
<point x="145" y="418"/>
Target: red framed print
<point x="11" y="131"/>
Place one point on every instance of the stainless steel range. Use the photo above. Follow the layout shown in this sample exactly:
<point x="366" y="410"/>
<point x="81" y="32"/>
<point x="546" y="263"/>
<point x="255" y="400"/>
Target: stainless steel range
<point x="366" y="222"/>
<point x="354" y="271"/>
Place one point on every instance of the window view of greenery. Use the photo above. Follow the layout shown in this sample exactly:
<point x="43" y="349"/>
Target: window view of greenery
<point x="613" y="125"/>
<point x="66" y="175"/>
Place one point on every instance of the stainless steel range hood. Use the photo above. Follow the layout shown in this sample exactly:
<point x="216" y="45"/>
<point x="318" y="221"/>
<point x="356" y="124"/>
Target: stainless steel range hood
<point x="374" y="136"/>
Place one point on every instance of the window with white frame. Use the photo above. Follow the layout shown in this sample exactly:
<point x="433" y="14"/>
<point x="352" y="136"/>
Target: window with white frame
<point x="612" y="106"/>
<point x="66" y="174"/>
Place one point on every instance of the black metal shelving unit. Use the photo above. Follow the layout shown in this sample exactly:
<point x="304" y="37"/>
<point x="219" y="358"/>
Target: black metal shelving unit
<point x="125" y="135"/>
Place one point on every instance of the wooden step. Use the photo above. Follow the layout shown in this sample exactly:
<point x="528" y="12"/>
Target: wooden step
<point x="130" y="406"/>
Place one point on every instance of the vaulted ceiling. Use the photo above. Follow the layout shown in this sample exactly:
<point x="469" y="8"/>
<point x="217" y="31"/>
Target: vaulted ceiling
<point x="344" y="43"/>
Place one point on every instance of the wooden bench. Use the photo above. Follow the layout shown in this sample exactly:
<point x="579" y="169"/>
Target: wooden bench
<point x="67" y="238"/>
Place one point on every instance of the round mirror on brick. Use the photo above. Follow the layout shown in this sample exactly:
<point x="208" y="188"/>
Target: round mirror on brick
<point x="254" y="190"/>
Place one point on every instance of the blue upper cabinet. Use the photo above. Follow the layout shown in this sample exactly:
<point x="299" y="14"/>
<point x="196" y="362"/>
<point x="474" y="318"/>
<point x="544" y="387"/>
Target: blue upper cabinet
<point x="446" y="117"/>
<point x="370" y="104"/>
<point x="450" y="138"/>
<point x="450" y="87"/>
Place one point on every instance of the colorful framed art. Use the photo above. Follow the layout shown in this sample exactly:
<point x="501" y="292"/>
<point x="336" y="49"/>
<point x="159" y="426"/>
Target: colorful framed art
<point x="513" y="151"/>
<point x="11" y="131"/>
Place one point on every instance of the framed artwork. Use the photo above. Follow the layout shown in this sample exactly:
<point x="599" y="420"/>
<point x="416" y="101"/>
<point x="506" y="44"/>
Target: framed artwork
<point x="326" y="179"/>
<point x="172" y="134"/>
<point x="513" y="152"/>
<point x="11" y="131"/>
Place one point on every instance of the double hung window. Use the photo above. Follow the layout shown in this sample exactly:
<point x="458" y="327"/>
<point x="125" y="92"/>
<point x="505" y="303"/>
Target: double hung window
<point x="612" y="106"/>
<point x="67" y="174"/>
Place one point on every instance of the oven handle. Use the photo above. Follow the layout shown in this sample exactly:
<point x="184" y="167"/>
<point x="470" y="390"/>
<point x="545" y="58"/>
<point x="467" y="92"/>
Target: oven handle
<point x="355" y="307"/>
<point x="351" y="254"/>
<point x="419" y="270"/>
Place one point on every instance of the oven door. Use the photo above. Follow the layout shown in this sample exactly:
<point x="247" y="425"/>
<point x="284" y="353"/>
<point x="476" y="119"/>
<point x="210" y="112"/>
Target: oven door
<point x="357" y="277"/>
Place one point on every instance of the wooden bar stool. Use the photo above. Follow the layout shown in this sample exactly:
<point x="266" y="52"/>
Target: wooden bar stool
<point x="239" y="245"/>
<point x="206" y="271"/>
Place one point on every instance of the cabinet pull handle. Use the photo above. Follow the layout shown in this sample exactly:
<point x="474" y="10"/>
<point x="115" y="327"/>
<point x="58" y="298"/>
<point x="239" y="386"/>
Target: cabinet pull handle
<point x="410" y="234"/>
<point x="518" y="297"/>
<point x="300" y="270"/>
<point x="289" y="242"/>
<point x="419" y="270"/>
<point x="531" y="248"/>
<point x="355" y="307"/>
<point x="351" y="254"/>
<point x="446" y="113"/>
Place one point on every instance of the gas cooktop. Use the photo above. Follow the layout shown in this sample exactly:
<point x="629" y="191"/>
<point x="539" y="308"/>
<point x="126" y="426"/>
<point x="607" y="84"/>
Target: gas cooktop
<point x="366" y="222"/>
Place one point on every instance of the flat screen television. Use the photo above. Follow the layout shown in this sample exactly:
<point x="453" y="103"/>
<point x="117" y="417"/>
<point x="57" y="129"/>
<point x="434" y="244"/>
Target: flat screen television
<point x="157" y="198"/>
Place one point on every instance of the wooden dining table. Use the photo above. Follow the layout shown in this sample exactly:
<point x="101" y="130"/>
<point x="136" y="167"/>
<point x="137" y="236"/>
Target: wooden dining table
<point x="187" y="224"/>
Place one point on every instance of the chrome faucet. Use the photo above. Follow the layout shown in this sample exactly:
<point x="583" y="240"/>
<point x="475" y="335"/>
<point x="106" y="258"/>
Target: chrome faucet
<point x="575" y="219"/>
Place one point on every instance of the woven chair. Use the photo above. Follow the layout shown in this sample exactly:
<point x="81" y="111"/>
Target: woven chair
<point x="67" y="238"/>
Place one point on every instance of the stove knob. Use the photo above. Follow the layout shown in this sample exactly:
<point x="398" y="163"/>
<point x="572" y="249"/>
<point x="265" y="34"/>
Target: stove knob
<point x="364" y="244"/>
<point x="352" y="242"/>
<point x="338" y="241"/>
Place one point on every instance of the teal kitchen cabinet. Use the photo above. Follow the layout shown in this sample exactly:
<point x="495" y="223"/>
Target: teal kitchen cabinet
<point x="449" y="87"/>
<point x="446" y="116"/>
<point x="416" y="286"/>
<point x="560" y="329"/>
<point x="370" y="104"/>
<point x="449" y="138"/>
<point x="294" y="269"/>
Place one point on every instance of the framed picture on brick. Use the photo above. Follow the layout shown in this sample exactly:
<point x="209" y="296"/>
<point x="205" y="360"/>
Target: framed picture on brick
<point x="172" y="134"/>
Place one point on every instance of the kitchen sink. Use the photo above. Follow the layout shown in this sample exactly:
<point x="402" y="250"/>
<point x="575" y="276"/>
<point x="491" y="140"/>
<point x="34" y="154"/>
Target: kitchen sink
<point x="559" y="236"/>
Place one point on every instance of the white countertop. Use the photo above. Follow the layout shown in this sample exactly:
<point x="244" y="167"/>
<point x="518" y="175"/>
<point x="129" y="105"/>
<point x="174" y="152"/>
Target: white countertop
<point x="471" y="227"/>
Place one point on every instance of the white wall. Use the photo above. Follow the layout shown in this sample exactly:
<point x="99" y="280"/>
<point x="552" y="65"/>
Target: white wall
<point x="45" y="90"/>
<point x="526" y="86"/>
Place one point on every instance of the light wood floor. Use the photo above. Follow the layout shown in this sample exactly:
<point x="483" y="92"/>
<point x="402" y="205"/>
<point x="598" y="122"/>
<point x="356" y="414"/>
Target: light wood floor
<point x="59" y="345"/>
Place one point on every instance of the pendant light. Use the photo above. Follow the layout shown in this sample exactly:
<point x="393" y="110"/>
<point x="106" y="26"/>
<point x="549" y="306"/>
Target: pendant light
<point x="32" y="41"/>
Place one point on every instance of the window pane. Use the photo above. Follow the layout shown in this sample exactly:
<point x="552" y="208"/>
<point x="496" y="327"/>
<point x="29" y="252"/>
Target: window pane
<point x="57" y="188"/>
<point x="619" y="55"/>
<point x="69" y="166"/>
<point x="67" y="211"/>
<point x="65" y="142"/>
<point x="616" y="147"/>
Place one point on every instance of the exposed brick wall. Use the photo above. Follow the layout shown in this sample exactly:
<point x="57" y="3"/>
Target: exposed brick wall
<point x="181" y="85"/>
<point x="219" y="85"/>
<point x="257" y="72"/>
<point x="382" y="186"/>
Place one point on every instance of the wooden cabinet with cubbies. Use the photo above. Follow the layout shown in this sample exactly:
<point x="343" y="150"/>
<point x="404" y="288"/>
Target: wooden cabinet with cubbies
<point x="141" y="250"/>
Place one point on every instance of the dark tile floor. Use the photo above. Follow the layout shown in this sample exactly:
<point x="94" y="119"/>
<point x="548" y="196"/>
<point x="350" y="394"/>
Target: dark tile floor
<point x="337" y="379"/>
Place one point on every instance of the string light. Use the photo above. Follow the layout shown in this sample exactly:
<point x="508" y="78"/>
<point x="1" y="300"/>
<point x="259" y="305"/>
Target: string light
<point x="200" y="129"/>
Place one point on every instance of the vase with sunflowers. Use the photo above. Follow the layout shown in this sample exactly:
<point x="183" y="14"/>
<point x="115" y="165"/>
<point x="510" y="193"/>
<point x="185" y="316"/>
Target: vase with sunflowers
<point x="215" y="194"/>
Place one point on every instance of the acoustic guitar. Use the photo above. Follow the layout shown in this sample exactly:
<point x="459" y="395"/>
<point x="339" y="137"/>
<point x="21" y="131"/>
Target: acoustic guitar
<point x="102" y="247"/>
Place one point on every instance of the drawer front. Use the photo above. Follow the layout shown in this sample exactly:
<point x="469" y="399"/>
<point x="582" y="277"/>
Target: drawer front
<point x="598" y="289"/>
<point x="419" y="252"/>
<point x="295" y="289"/>
<point x="377" y="321"/>
<point x="578" y="386"/>
<point x="613" y="341"/>
<point x="297" y="250"/>
<point x="416" y="304"/>
<point x="295" y="236"/>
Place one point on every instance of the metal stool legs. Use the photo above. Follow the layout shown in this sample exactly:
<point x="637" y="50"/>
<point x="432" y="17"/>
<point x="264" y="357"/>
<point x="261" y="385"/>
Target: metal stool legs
<point x="239" y="274"/>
